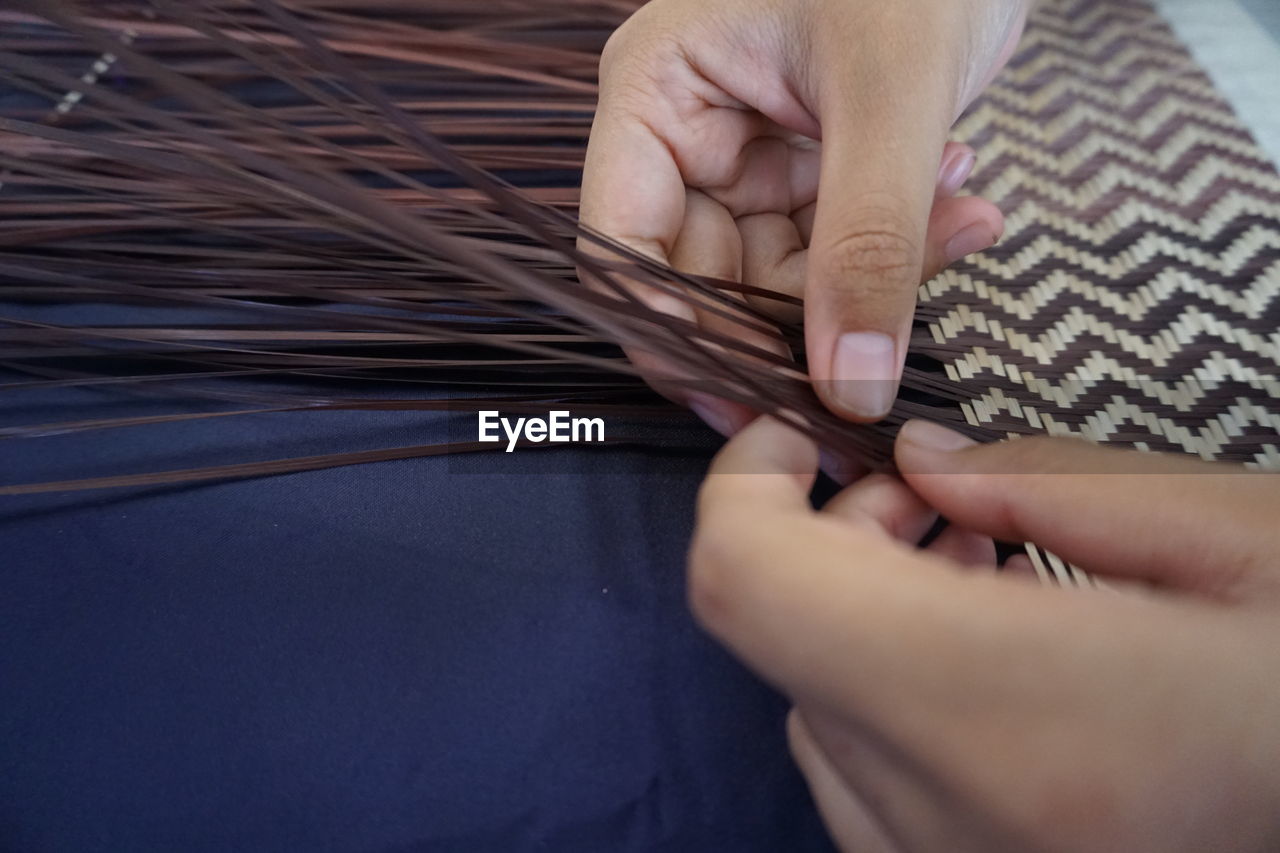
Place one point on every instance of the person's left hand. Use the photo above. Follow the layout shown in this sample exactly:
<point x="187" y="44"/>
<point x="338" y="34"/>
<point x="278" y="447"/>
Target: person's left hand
<point x="939" y="706"/>
<point x="798" y="146"/>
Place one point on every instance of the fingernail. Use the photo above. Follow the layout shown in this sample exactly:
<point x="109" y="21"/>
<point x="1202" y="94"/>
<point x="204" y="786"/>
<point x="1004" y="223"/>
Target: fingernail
<point x="955" y="172"/>
<point x="712" y="415"/>
<point x="865" y="370"/>
<point x="975" y="238"/>
<point x="931" y="436"/>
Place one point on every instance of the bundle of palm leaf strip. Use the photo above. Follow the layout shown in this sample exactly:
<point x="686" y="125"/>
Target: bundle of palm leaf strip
<point x="383" y="197"/>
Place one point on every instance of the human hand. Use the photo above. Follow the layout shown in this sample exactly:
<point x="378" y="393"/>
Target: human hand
<point x="940" y="707"/>
<point x="705" y="154"/>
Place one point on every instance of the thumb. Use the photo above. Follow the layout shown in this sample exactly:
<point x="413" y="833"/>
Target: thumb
<point x="1178" y="522"/>
<point x="883" y="132"/>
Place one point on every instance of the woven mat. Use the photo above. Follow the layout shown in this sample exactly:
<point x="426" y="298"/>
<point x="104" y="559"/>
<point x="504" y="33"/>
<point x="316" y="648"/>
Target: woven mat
<point x="1143" y="239"/>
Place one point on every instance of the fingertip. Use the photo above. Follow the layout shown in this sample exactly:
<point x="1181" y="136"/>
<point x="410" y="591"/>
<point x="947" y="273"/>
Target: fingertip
<point x="741" y="518"/>
<point x="723" y="416"/>
<point x="842" y="469"/>
<point x="959" y="227"/>
<point x="973" y="238"/>
<point x="860" y="295"/>
<point x="888" y="502"/>
<point x="968" y="548"/>
<point x="767" y="445"/>
<point x="799" y="742"/>
<point x="943" y="465"/>
<point x="1020" y="567"/>
<point x="958" y="161"/>
<point x="926" y="447"/>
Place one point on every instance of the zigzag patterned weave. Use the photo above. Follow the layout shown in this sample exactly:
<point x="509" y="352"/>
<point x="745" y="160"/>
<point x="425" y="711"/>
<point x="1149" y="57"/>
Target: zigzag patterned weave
<point x="1143" y="237"/>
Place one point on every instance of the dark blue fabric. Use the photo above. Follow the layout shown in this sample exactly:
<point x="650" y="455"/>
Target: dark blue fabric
<point x="393" y="657"/>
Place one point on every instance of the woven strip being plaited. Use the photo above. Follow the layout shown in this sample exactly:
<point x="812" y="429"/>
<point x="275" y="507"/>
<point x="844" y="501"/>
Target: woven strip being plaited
<point x="1132" y="300"/>
<point x="1143" y="246"/>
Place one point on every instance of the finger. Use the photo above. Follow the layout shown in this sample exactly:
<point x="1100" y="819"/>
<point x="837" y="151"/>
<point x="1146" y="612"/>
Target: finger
<point x="632" y="191"/>
<point x="958" y="161"/>
<point x="1019" y="566"/>
<point x="668" y="378"/>
<point x="928" y="660"/>
<point x="785" y="587"/>
<point x="791" y="238"/>
<point x="851" y="824"/>
<point x="842" y="468"/>
<point x="709" y="245"/>
<point x="775" y="245"/>
<point x="618" y="160"/>
<point x="959" y="227"/>
<point x="879" y="172"/>
<point x="708" y="224"/>
<point x="773" y="257"/>
<point x="1173" y="520"/>
<point x="768" y="467"/>
<point x="803" y="218"/>
<point x="964" y="547"/>
<point x="886" y="501"/>
<point x="771" y="174"/>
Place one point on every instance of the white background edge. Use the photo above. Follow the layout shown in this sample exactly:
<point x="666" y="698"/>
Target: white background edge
<point x="1239" y="55"/>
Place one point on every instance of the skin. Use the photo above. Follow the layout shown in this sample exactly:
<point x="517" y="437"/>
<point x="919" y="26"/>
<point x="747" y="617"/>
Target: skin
<point x="799" y="146"/>
<point x="942" y="707"/>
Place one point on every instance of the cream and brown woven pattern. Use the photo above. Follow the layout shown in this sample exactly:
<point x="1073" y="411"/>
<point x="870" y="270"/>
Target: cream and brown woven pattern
<point x="1135" y="297"/>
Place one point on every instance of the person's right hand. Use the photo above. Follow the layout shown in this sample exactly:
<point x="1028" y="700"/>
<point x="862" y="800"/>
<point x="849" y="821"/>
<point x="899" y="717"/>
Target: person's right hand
<point x="939" y="707"/>
<point x="795" y="145"/>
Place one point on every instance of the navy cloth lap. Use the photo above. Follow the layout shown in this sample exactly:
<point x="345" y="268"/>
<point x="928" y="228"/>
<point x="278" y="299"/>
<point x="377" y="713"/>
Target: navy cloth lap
<point x="423" y="655"/>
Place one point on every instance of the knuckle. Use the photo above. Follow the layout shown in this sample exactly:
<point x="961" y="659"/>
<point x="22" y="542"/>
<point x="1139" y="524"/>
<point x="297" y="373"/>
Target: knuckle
<point x="643" y="39"/>
<point x="883" y="259"/>
<point x="618" y="45"/>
